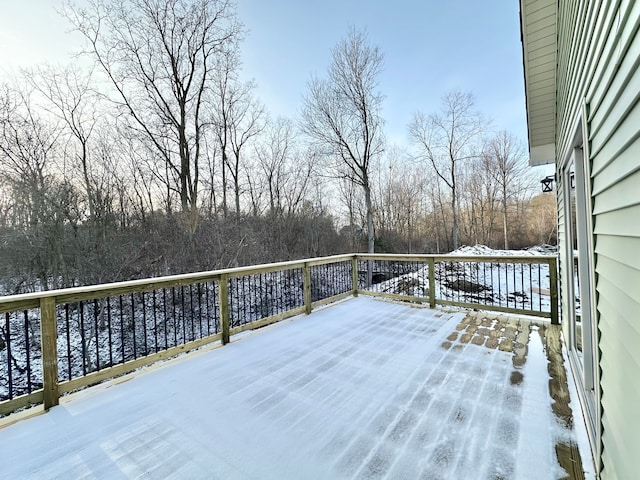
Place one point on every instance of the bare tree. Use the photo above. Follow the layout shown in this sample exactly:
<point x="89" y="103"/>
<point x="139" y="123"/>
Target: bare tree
<point x="287" y="171"/>
<point x="41" y="198"/>
<point x="272" y="154"/>
<point x="224" y="83"/>
<point x="543" y="218"/>
<point x="237" y="117"/>
<point x="509" y="170"/>
<point x="480" y="201"/>
<point x="246" y="122"/>
<point x="159" y="56"/>
<point x="70" y="98"/>
<point x="400" y="188"/>
<point x="445" y="140"/>
<point x="28" y="147"/>
<point x="341" y="114"/>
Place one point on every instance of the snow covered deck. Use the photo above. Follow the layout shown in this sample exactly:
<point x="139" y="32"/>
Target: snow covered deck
<point x="361" y="389"/>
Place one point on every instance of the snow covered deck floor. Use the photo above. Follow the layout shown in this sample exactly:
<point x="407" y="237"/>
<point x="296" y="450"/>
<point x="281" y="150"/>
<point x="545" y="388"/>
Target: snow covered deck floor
<point x="361" y="389"/>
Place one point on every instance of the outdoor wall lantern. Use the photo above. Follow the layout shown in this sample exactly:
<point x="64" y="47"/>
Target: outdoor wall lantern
<point x="547" y="183"/>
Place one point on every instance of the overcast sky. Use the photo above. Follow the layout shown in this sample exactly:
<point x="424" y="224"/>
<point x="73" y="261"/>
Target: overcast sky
<point x="430" y="47"/>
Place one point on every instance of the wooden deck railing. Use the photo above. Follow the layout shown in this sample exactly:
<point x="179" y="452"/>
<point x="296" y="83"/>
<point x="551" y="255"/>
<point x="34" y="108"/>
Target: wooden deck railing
<point x="58" y="341"/>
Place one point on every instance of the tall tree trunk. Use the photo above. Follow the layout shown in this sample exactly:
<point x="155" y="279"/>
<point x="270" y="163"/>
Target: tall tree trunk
<point x="370" y="231"/>
<point x="454" y="213"/>
<point x="225" y="208"/>
<point x="504" y="216"/>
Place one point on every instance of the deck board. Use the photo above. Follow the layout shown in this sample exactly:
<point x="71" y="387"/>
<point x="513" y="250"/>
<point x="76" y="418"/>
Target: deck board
<point x="361" y="389"/>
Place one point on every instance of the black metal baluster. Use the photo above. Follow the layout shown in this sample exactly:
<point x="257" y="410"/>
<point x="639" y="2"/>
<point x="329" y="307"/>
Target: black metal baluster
<point x="285" y="290"/>
<point x="164" y="316"/>
<point x="183" y="316"/>
<point x="82" y="339"/>
<point x="155" y="322"/>
<point x="109" y="331"/>
<point x="540" y="285"/>
<point x="121" y="330"/>
<point x="8" y="342"/>
<point x="262" y="300"/>
<point x="507" y="283"/>
<point x="66" y="316"/>
<point x="458" y="276"/>
<point x="133" y="327"/>
<point x="275" y="299"/>
<point x="246" y="290"/>
<point x="506" y="276"/>
<point x="326" y="275"/>
<point x="192" y="313"/>
<point x="216" y="307"/>
<point x="175" y="320"/>
<point x="238" y="301"/>
<point x="200" y="309"/>
<point x="473" y="275"/>
<point x="493" y="293"/>
<point x="347" y="276"/>
<point x="522" y="283"/>
<point x="484" y="280"/>
<point x="275" y="302"/>
<point x="234" y="302"/>
<point x="233" y="307"/>
<point x="27" y="348"/>
<point x="97" y="333"/>
<point x="515" y="301"/>
<point x="268" y="296"/>
<point x="207" y="303"/>
<point x="241" y="300"/>
<point x="530" y="287"/>
<point x="521" y="287"/>
<point x="331" y="272"/>
<point x="344" y="275"/>
<point x="499" y="286"/>
<point x="144" y="323"/>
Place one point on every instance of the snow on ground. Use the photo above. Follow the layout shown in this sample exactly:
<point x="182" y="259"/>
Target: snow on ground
<point x="484" y="250"/>
<point x="361" y="389"/>
<point x="535" y="406"/>
<point x="503" y="284"/>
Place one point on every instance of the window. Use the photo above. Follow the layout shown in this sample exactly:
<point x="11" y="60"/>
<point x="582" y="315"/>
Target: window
<point x="579" y="283"/>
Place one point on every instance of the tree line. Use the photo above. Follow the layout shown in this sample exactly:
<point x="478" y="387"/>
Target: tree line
<point x="150" y="155"/>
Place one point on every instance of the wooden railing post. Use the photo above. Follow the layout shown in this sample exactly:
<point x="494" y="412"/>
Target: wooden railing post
<point x="306" y="287"/>
<point x="354" y="275"/>
<point x="49" y="339"/>
<point x="223" y="292"/>
<point x="553" y="289"/>
<point x="432" y="282"/>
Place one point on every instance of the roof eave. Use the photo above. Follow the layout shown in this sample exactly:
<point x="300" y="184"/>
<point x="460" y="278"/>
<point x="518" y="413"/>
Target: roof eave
<point x="538" y="29"/>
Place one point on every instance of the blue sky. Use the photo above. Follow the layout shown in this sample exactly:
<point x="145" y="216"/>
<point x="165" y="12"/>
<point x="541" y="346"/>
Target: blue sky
<point x="430" y="48"/>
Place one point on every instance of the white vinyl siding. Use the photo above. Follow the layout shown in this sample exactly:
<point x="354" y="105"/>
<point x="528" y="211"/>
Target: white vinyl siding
<point x="599" y="63"/>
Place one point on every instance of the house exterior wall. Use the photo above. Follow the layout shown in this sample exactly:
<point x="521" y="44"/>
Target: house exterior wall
<point x="598" y="81"/>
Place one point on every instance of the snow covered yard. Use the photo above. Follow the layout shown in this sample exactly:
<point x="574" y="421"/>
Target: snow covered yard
<point x="361" y="389"/>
